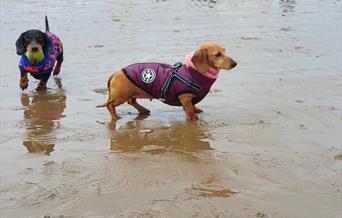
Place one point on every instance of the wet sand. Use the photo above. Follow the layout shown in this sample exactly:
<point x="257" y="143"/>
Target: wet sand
<point x="267" y="145"/>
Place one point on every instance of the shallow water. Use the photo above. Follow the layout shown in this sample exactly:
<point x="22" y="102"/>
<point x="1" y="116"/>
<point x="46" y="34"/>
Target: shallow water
<point x="267" y="145"/>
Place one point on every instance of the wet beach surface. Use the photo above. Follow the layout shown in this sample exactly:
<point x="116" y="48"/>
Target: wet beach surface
<point x="267" y="145"/>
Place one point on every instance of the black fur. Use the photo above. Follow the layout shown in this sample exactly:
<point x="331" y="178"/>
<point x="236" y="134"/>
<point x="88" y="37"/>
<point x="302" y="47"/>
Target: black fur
<point x="20" y="45"/>
<point x="32" y="37"/>
<point x="47" y="29"/>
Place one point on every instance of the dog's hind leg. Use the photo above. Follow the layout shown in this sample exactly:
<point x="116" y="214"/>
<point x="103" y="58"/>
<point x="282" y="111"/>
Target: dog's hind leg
<point x="41" y="85"/>
<point x="112" y="104"/>
<point x="57" y="69"/>
<point x="43" y="79"/>
<point x="111" y="108"/>
<point x="142" y="110"/>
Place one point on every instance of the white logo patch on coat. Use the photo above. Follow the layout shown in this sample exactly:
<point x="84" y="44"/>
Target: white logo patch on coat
<point x="148" y="75"/>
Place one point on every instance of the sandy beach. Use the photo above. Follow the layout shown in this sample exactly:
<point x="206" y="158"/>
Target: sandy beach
<point x="268" y="143"/>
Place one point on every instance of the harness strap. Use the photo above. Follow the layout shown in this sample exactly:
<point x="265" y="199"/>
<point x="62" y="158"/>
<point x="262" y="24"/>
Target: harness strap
<point x="175" y="74"/>
<point x="187" y="81"/>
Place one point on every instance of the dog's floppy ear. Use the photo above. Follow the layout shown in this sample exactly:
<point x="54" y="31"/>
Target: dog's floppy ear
<point x="200" y="60"/>
<point x="20" y="44"/>
<point x="47" y="44"/>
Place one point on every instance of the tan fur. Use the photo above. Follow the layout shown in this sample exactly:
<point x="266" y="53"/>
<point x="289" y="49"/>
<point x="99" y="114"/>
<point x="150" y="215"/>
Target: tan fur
<point x="121" y="89"/>
<point x="29" y="47"/>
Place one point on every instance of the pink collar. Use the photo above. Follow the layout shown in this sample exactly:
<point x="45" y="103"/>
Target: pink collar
<point x="211" y="73"/>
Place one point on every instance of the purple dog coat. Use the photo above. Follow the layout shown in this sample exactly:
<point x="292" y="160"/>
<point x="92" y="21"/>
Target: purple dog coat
<point x="166" y="82"/>
<point x="47" y="63"/>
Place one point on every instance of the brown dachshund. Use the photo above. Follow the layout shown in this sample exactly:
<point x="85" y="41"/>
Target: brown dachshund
<point x="177" y="85"/>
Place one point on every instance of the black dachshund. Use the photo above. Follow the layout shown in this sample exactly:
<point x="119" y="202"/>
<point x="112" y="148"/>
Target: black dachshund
<point x="39" y="51"/>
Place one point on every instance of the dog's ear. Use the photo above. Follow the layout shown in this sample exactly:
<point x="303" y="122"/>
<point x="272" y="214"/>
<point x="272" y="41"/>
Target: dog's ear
<point x="20" y="44"/>
<point x="200" y="60"/>
<point x="47" y="44"/>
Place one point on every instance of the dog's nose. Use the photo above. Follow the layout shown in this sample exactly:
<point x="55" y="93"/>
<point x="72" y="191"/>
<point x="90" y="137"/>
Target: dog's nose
<point x="34" y="49"/>
<point x="233" y="64"/>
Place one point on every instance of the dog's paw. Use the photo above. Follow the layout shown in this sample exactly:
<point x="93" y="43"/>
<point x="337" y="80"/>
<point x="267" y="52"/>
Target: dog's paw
<point x="41" y="86"/>
<point x="115" y="118"/>
<point x="23" y="83"/>
<point x="197" y="110"/>
<point x="191" y="116"/>
<point x="144" y="111"/>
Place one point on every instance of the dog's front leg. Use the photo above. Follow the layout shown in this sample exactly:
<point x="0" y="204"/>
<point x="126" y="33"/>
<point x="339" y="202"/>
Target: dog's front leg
<point x="189" y="108"/>
<point x="23" y="83"/>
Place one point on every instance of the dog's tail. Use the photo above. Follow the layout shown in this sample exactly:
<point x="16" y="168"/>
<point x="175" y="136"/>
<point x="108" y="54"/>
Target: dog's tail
<point x="47" y="29"/>
<point x="108" y="87"/>
<point x="102" y="105"/>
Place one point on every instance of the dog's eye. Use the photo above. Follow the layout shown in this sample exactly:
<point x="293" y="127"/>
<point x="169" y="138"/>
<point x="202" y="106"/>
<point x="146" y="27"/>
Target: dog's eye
<point x="218" y="54"/>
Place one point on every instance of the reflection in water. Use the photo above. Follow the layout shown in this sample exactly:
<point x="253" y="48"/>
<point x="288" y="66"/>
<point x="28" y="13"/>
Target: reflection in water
<point x="41" y="118"/>
<point x="159" y="137"/>
<point x="287" y="6"/>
